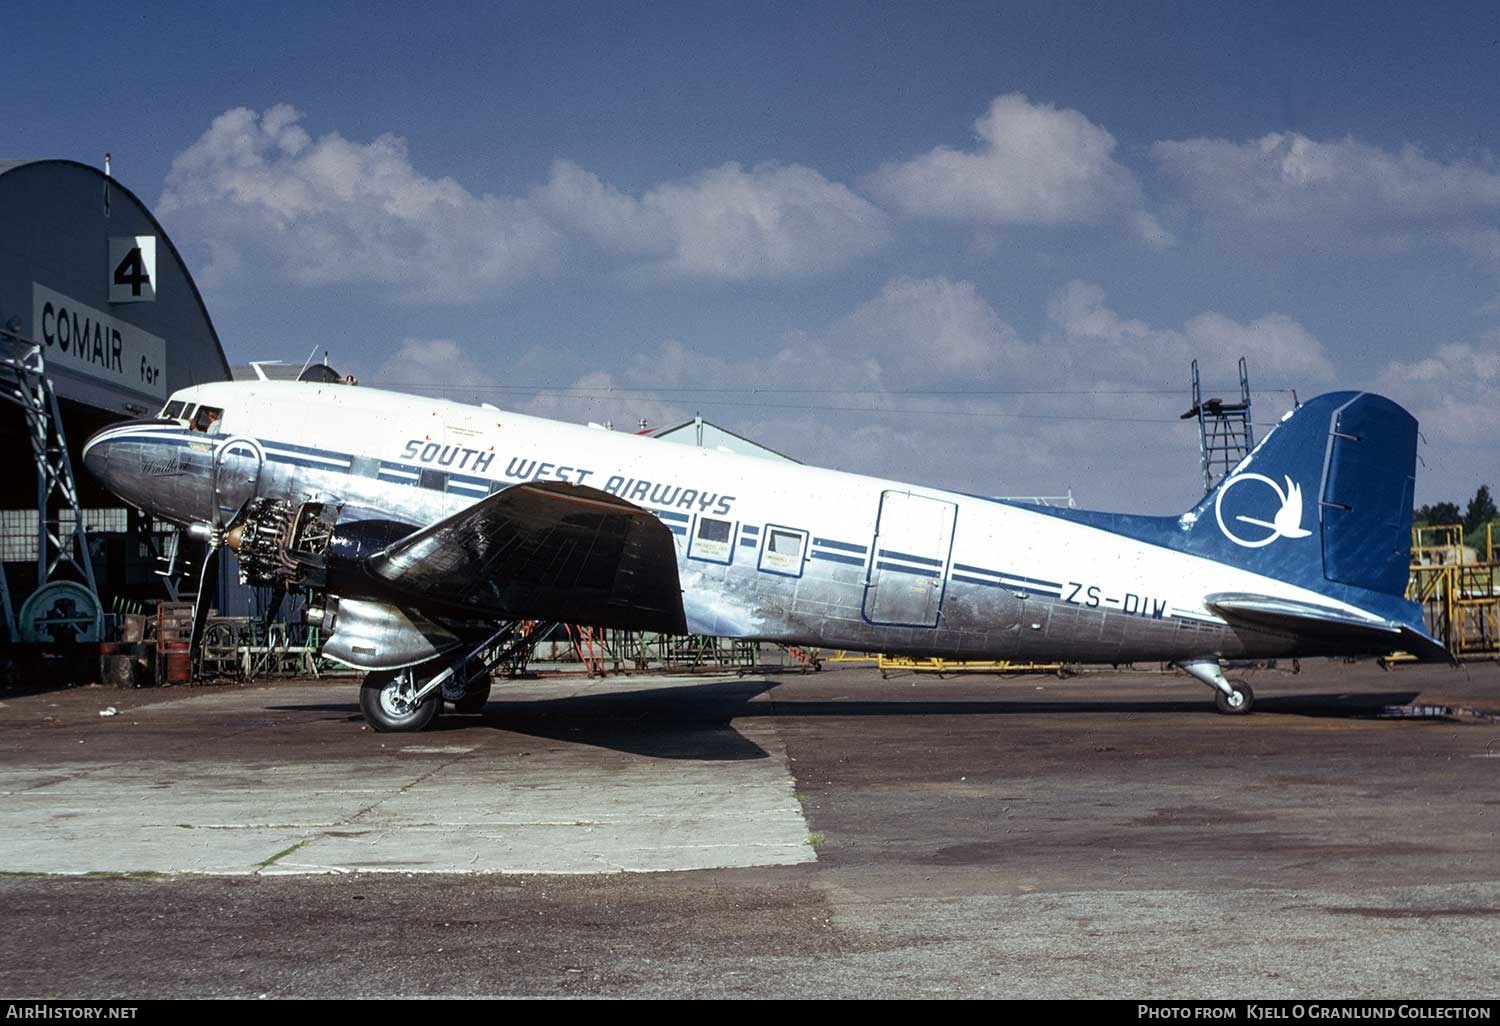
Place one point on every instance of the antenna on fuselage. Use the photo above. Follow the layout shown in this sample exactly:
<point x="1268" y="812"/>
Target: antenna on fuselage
<point x="308" y="362"/>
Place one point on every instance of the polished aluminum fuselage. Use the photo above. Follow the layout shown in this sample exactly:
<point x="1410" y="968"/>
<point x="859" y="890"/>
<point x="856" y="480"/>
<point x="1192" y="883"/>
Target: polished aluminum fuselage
<point x="765" y="549"/>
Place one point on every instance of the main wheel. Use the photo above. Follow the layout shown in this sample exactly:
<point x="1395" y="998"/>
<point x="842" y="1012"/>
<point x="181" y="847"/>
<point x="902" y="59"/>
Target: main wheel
<point x="474" y="699"/>
<point x="385" y="698"/>
<point x="1237" y="704"/>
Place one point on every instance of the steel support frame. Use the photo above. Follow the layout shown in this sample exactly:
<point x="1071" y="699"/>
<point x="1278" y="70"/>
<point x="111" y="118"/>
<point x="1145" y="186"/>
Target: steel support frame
<point x="24" y="383"/>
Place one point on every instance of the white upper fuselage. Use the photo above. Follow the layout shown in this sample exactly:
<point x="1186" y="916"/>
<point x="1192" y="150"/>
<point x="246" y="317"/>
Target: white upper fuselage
<point x="808" y="555"/>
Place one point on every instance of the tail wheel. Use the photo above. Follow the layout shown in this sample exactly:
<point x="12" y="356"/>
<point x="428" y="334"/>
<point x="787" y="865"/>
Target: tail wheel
<point x="387" y="699"/>
<point x="1237" y="704"/>
<point x="474" y="699"/>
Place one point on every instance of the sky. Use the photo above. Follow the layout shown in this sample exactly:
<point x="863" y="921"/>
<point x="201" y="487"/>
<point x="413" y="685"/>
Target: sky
<point x="975" y="246"/>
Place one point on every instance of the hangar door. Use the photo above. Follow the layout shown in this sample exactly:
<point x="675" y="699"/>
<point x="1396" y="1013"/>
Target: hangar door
<point x="913" y="537"/>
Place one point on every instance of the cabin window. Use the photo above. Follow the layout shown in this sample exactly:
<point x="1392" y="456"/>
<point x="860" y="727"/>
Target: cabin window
<point x="364" y="466"/>
<point x="782" y="552"/>
<point x="437" y="480"/>
<point x="207" y="419"/>
<point x="713" y="541"/>
<point x="173" y="410"/>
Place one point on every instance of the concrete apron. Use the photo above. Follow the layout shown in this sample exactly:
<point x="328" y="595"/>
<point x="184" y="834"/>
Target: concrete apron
<point x="470" y="800"/>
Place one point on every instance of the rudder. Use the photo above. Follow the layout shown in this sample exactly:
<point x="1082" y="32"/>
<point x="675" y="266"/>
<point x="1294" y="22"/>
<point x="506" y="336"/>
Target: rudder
<point x="1324" y="499"/>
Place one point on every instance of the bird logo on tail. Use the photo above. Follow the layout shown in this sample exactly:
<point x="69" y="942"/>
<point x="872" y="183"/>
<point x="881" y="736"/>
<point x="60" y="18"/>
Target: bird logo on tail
<point x="1286" y="524"/>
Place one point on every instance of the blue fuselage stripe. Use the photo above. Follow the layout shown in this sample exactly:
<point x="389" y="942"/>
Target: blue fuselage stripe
<point x="901" y="569"/>
<point x="309" y="464"/>
<point x="1008" y="576"/>
<point x="893" y="554"/>
<point x="306" y="450"/>
<point x="834" y="557"/>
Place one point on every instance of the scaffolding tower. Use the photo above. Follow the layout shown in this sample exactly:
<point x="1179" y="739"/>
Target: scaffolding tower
<point x="62" y="550"/>
<point x="1225" y="432"/>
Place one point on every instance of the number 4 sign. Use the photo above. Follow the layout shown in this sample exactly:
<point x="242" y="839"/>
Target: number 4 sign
<point x="132" y="269"/>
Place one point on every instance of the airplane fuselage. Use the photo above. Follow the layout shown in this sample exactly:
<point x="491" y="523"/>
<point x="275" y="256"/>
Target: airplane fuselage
<point x="765" y="549"/>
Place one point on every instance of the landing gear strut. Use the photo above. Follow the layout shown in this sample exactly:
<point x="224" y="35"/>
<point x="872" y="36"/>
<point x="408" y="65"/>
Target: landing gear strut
<point x="1231" y="697"/>
<point x="410" y="699"/>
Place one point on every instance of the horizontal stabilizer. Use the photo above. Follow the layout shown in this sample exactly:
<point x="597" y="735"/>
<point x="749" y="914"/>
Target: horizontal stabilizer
<point x="1322" y="627"/>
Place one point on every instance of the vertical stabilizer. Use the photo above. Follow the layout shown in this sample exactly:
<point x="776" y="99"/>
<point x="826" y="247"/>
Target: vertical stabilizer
<point x="1324" y="500"/>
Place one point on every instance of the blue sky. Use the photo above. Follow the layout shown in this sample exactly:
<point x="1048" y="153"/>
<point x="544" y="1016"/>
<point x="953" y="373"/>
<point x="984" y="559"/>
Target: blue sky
<point x="971" y="245"/>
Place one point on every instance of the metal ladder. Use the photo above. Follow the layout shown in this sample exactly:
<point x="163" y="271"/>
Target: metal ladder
<point x="24" y="382"/>
<point x="1225" y="432"/>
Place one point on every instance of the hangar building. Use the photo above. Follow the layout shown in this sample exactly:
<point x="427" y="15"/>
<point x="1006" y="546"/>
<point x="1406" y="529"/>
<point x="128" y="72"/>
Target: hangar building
<point x="99" y="322"/>
<point x="706" y="435"/>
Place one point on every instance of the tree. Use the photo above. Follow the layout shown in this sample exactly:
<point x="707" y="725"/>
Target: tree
<point x="1481" y="510"/>
<point x="1438" y="513"/>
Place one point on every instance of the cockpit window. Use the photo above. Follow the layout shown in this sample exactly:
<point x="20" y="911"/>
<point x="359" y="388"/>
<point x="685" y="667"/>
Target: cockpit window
<point x="173" y="410"/>
<point x="207" y="418"/>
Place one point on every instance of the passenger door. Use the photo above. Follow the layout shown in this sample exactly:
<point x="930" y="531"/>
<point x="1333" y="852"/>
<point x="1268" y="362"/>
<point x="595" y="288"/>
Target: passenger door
<point x="913" y="541"/>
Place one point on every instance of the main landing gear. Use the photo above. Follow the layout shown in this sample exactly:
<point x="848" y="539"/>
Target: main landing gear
<point x="1231" y="697"/>
<point x="411" y="698"/>
<point x="388" y="698"/>
<point x="395" y="701"/>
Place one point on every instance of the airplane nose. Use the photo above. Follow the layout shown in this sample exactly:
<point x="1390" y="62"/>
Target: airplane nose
<point x="96" y="456"/>
<point x="154" y="467"/>
<point x="109" y="455"/>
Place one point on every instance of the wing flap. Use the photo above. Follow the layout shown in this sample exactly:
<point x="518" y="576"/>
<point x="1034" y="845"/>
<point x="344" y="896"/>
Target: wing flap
<point x="546" y="551"/>
<point x="1321" y="626"/>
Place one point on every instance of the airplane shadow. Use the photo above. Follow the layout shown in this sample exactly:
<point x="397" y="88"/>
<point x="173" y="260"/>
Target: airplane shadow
<point x="695" y="721"/>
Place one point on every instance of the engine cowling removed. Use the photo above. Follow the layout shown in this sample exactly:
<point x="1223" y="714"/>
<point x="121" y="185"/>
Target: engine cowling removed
<point x="313" y="545"/>
<point x="316" y="547"/>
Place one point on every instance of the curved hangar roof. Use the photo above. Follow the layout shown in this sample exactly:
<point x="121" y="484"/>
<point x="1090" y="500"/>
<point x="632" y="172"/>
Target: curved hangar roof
<point x="86" y="270"/>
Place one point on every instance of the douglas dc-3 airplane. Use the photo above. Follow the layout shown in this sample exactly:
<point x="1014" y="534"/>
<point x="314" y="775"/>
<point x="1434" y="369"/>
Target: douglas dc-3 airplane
<point x="425" y="531"/>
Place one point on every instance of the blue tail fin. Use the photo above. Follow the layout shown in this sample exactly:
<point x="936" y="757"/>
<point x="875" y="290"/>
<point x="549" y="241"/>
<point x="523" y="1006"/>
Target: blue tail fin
<point x="1324" y="501"/>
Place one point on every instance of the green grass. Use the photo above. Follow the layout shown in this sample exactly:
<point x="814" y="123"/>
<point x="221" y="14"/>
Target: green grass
<point x="283" y="853"/>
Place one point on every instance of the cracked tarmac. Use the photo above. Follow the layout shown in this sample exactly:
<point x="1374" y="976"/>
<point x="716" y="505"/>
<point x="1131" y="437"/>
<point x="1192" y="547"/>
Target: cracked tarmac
<point x="1105" y="836"/>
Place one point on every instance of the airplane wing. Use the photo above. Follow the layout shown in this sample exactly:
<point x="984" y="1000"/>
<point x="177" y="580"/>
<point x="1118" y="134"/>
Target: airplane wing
<point x="546" y="551"/>
<point x="1314" y="623"/>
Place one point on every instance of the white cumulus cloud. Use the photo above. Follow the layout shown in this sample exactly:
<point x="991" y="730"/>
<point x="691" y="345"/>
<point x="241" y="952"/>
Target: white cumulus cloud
<point x="726" y="223"/>
<point x="435" y="366"/>
<point x="1092" y="339"/>
<point x="926" y="382"/>
<point x="271" y="201"/>
<point x="1035" y="164"/>
<point x="1286" y="186"/>
<point x="1451" y="392"/>
<point x="923" y="330"/>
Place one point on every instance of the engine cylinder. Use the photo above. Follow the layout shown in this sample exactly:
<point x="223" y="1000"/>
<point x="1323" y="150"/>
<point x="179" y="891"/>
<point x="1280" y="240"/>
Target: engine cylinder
<point x="306" y="546"/>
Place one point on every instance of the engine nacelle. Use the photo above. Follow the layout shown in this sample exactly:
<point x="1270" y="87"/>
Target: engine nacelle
<point x="317" y="547"/>
<point x="306" y="546"/>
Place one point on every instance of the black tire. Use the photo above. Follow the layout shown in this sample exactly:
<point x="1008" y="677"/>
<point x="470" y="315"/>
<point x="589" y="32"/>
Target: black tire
<point x="1240" y="704"/>
<point x="385" y="708"/>
<point x="474" y="699"/>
